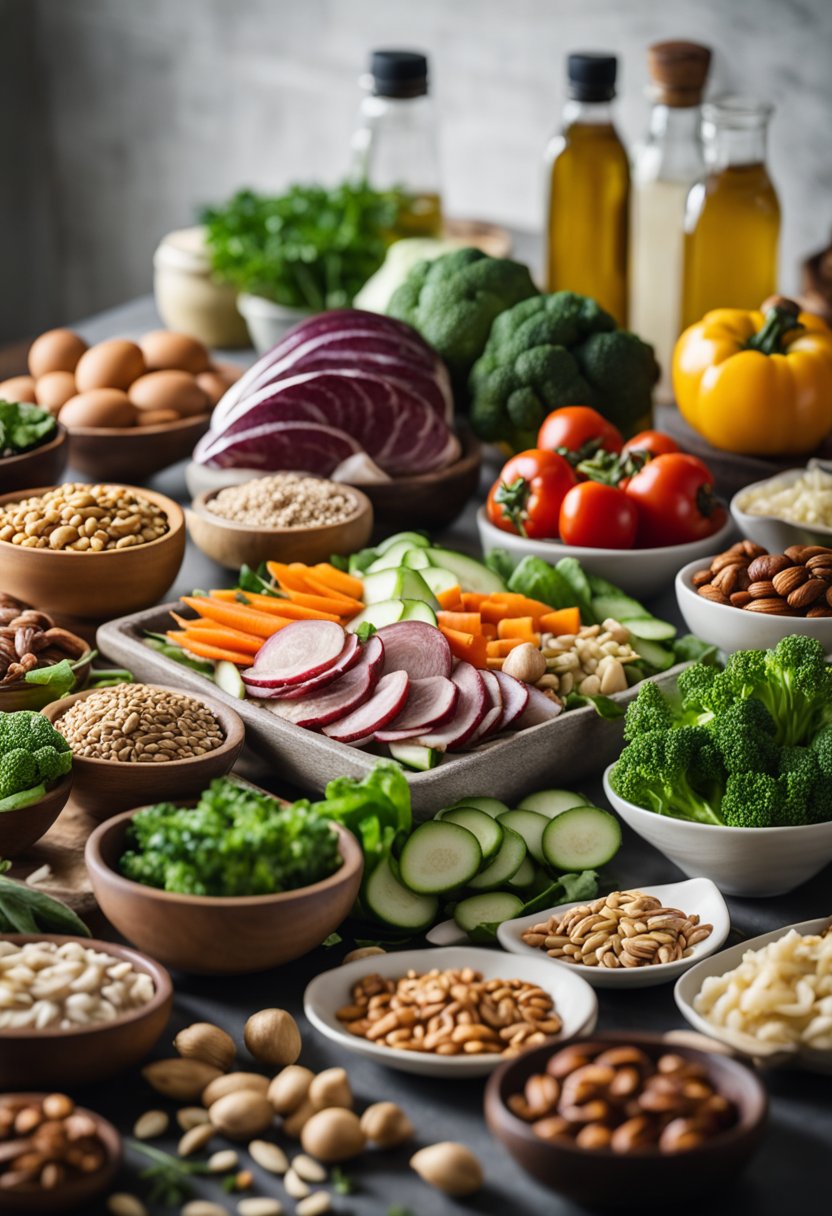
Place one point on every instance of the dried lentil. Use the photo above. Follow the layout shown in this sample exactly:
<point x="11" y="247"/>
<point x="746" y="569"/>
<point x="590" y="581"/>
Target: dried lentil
<point x="82" y="518"/>
<point x="284" y="500"/>
<point x="139" y="724"/>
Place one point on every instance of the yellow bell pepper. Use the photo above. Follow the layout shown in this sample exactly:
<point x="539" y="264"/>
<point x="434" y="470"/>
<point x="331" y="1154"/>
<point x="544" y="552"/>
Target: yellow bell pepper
<point x="757" y="383"/>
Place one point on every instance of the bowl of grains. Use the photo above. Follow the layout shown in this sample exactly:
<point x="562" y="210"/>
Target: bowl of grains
<point x="283" y="517"/>
<point x="75" y="1010"/>
<point x="140" y="743"/>
<point x="90" y="552"/>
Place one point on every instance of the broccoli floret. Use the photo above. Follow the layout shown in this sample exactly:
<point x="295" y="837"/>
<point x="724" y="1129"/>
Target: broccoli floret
<point x="752" y="800"/>
<point x="621" y="370"/>
<point x="676" y="772"/>
<point x="29" y="730"/>
<point x="793" y="681"/>
<point x="18" y="771"/>
<point x="702" y="692"/>
<point x="808" y="791"/>
<point x="744" y="737"/>
<point x="822" y="747"/>
<point x="651" y="710"/>
<point x="454" y="300"/>
<point x="51" y="764"/>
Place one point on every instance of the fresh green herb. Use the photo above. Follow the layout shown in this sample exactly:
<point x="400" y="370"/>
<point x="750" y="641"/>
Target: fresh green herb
<point x="691" y="649"/>
<point x="365" y="631"/>
<point x="604" y="707"/>
<point x="567" y="888"/>
<point x="23" y="427"/>
<point x="342" y="1184"/>
<point x="334" y="939"/>
<point x="309" y="248"/>
<point x="24" y="909"/>
<point x="236" y="841"/>
<point x="257" y="581"/>
<point x="169" y="1177"/>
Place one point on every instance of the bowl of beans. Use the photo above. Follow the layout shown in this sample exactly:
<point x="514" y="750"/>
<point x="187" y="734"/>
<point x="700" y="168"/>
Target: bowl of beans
<point x="141" y="743"/>
<point x="627" y="1121"/>
<point x="283" y="517"/>
<point x="90" y="552"/>
<point x="74" y="1010"/>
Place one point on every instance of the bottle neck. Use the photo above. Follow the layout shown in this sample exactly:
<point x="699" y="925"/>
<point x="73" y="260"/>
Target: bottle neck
<point x="725" y="146"/>
<point x="675" y="124"/>
<point x="599" y="113"/>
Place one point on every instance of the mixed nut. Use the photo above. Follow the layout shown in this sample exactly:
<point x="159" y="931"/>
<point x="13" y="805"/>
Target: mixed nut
<point x="83" y="519"/>
<point x="617" y="1098"/>
<point x="796" y="582"/>
<point x="140" y="724"/>
<point x="46" y="1143"/>
<point x="623" y="929"/>
<point x="30" y="639"/>
<point x="590" y="662"/>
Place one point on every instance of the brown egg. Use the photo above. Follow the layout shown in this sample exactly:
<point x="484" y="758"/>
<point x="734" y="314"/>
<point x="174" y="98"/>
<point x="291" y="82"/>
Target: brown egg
<point x="115" y="363"/>
<point x="163" y="349"/>
<point x="19" y="388"/>
<point x="171" y="390"/>
<point x="213" y="385"/>
<point x="58" y="350"/>
<point x="55" y="389"/>
<point x="230" y="372"/>
<point x="107" y="407"/>
<point x="156" y="417"/>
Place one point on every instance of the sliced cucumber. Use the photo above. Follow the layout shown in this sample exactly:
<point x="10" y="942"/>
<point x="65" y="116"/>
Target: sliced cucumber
<point x="529" y="825"/>
<point x="393" y="557"/>
<point x="416" y="559"/>
<point x="504" y="866"/>
<point x="439" y="580"/>
<point x="418" y="610"/>
<point x="492" y="908"/>
<point x="228" y="678"/>
<point x="397" y="583"/>
<point x="414" y="756"/>
<point x="491" y="806"/>
<point x="413" y="540"/>
<point x="650" y="629"/>
<point x="525" y="876"/>
<point x="582" y="838"/>
<point x="470" y="574"/>
<point x="618" y="606"/>
<point x="657" y="656"/>
<point x="386" y="612"/>
<point x="394" y="904"/>
<point x="552" y="802"/>
<point x="439" y="857"/>
<point x="361" y="560"/>
<point x="487" y="830"/>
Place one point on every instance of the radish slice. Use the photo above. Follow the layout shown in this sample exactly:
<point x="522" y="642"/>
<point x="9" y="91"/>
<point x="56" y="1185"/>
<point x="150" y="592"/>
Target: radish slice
<point x="430" y="702"/>
<point x="471" y="708"/>
<point x="349" y="655"/>
<point x="298" y="652"/>
<point x="539" y="709"/>
<point x="337" y="699"/>
<point x="494" y="714"/>
<point x="382" y="707"/>
<point x="417" y="648"/>
<point x="515" y="697"/>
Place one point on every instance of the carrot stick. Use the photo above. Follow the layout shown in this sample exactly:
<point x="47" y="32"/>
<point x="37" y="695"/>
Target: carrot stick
<point x="220" y="635"/>
<point x="237" y="616"/>
<point x="468" y="646"/>
<point x="342" y="606"/>
<point x="471" y="600"/>
<point x="494" y="664"/>
<point x="451" y="599"/>
<point x="204" y="651"/>
<point x="521" y="605"/>
<point x="564" y="620"/>
<point x="290" y="579"/>
<point x="518" y="627"/>
<point x="318" y="587"/>
<point x="489" y="631"/>
<point x="339" y="580"/>
<point x="274" y="604"/>
<point x="500" y="647"/>
<point x="465" y="622"/>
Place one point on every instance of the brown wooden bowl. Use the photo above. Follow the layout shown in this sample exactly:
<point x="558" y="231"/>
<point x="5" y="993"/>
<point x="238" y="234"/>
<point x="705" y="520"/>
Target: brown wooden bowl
<point x="95" y="586"/>
<point x="601" y="1178"/>
<point x="21" y="828"/>
<point x="42" y="465"/>
<point x="77" y="1194"/>
<point x="211" y="935"/>
<point x="232" y="544"/>
<point x="105" y="788"/>
<point x="62" y="1059"/>
<point x="431" y="500"/>
<point x="133" y="452"/>
<point x="21" y="695"/>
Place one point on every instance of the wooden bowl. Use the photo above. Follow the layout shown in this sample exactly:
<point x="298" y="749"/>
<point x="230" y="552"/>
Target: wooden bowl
<point x="21" y="828"/>
<point x="430" y="500"/>
<point x="603" y="1179"/>
<point x="21" y="695"/>
<point x="212" y="935"/>
<point x="133" y="453"/>
<point x="62" y="1059"/>
<point x="44" y="464"/>
<point x="105" y="788"/>
<point x="95" y="586"/>
<point x="77" y="1194"/>
<point x="232" y="544"/>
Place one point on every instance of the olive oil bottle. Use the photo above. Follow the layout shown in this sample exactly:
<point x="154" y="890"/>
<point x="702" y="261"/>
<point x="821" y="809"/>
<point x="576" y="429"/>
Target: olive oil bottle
<point x="588" y="185"/>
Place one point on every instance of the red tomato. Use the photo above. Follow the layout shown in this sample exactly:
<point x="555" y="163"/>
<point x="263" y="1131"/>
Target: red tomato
<point x="598" y="516"/>
<point x="526" y="497"/>
<point x="654" y="442"/>
<point x="675" y="500"/>
<point x="577" y="428"/>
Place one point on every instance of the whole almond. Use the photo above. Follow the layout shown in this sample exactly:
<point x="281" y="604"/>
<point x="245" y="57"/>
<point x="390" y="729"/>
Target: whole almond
<point x="751" y="549"/>
<point x="296" y="1188"/>
<point x="813" y="589"/>
<point x="223" y="1161"/>
<point x="151" y="1124"/>
<point x="701" y="578"/>
<point x="729" y="558"/>
<point x="789" y="580"/>
<point x="819" y="610"/>
<point x="739" y="599"/>
<point x="204" y="1041"/>
<point x="232" y="1081"/>
<point x="191" y="1116"/>
<point x="269" y="1156"/>
<point x="767" y="565"/>
<point x="194" y="1139"/>
<point x="773" y="605"/>
<point x="182" y="1080"/>
<point x="713" y="593"/>
<point x="541" y="1093"/>
<point x="821" y="570"/>
<point x="810" y="551"/>
<point x="308" y="1168"/>
<point x="761" y="589"/>
<point x="241" y="1114"/>
<point x="289" y="1088"/>
<point x="121" y="1203"/>
<point x="726" y="580"/>
<point x="829" y="597"/>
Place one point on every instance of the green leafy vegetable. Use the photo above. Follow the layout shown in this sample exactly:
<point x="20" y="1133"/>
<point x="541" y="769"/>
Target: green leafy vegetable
<point x="565" y="889"/>
<point x="342" y="1184"/>
<point x="501" y="563"/>
<point x="107" y="677"/>
<point x="365" y="631"/>
<point x="23" y="427"/>
<point x="169" y="1177"/>
<point x="24" y="909"/>
<point x="604" y="707"/>
<point x="257" y="581"/>
<point x="537" y="580"/>
<point x="375" y="809"/>
<point x="59" y="677"/>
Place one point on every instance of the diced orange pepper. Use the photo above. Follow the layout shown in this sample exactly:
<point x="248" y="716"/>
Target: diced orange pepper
<point x="464" y="622"/>
<point x="564" y="620"/>
<point x="517" y="627"/>
<point x="468" y="646"/>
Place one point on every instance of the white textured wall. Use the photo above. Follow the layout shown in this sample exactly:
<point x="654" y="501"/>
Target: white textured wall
<point x="154" y="106"/>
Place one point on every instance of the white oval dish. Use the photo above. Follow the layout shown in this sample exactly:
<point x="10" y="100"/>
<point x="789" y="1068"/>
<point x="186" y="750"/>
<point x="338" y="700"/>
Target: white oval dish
<point x="638" y="572"/>
<point x="575" y="1002"/>
<point x="774" y="532"/>
<point x="771" y="1054"/>
<point x="696" y="895"/>
<point x="741" y="861"/>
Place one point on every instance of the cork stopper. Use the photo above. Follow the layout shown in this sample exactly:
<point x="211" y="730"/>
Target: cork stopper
<point x="678" y="71"/>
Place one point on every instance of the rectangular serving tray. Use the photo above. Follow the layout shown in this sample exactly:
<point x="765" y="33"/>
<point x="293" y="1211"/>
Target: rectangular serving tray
<point x="559" y="752"/>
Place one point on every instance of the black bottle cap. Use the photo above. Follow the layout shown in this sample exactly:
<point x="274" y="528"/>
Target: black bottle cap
<point x="592" y="76"/>
<point x="399" y="73"/>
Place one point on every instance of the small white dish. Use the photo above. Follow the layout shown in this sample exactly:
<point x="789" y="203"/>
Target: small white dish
<point x="769" y="1054"/>
<point x="575" y="1002"/>
<point x="741" y="861"/>
<point x="638" y="572"/>
<point x="696" y="895"/>
<point x="268" y="322"/>
<point x="774" y="532"/>
<point x="732" y="628"/>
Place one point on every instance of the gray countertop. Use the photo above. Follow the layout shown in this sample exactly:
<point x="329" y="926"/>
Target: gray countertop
<point x="795" y="1150"/>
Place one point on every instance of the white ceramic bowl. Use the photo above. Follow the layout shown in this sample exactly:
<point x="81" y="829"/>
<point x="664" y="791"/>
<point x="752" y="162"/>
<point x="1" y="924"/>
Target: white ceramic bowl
<point x="771" y="531"/>
<point x="638" y="572"/>
<point x="575" y="1002"/>
<point x="696" y="895"/>
<point x="741" y="861"/>
<point x="267" y="322"/>
<point x="747" y="1045"/>
<point x="732" y="628"/>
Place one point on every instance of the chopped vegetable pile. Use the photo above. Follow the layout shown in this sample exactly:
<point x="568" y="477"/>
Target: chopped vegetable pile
<point x="33" y="755"/>
<point x="23" y="427"/>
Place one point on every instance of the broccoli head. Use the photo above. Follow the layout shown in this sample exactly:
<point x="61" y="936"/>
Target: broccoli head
<point x="32" y="752"/>
<point x="793" y="681"/>
<point x="51" y="764"/>
<point x="752" y="800"/>
<point x="454" y="300"/>
<point x="29" y="730"/>
<point x="703" y="693"/>
<point x="744" y="738"/>
<point x="18" y="772"/>
<point x="622" y="372"/>
<point x="676" y="772"/>
<point x="822" y="747"/>
<point x="650" y="711"/>
<point x="807" y="790"/>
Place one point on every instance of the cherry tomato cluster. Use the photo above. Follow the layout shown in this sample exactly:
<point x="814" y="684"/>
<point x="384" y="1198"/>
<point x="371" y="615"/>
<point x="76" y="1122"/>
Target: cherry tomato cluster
<point x="585" y="485"/>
